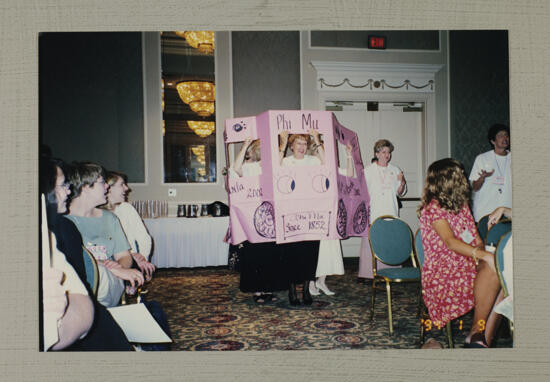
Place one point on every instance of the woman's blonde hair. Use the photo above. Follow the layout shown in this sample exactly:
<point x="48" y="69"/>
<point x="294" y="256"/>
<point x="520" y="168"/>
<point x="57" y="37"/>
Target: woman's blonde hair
<point x="446" y="183"/>
<point x="111" y="177"/>
<point x="379" y="145"/>
<point x="293" y="138"/>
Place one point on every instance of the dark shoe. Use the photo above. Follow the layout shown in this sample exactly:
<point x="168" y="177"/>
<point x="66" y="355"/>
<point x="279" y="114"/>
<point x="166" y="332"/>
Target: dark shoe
<point x="269" y="297"/>
<point x="477" y="341"/>
<point x="308" y="300"/>
<point x="259" y="298"/>
<point x="292" y="295"/>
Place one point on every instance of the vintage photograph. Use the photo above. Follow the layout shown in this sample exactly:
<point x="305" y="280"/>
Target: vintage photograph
<point x="275" y="190"/>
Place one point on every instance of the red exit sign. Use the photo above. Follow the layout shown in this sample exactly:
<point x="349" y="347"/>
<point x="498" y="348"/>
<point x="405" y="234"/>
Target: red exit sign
<point x="377" y="42"/>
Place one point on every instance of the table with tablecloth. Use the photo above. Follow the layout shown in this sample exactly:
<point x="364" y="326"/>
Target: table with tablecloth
<point x="188" y="242"/>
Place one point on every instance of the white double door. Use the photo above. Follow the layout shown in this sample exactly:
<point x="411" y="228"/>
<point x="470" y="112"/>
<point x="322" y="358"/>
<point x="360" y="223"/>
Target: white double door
<point x="405" y="130"/>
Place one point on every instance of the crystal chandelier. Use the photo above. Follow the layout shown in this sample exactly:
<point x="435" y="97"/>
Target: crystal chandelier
<point x="199" y="95"/>
<point x="199" y="153"/>
<point x="201" y="40"/>
<point x="202" y="128"/>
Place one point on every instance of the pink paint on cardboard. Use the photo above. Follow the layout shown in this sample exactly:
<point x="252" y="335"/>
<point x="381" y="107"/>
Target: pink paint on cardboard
<point x="238" y="129"/>
<point x="300" y="202"/>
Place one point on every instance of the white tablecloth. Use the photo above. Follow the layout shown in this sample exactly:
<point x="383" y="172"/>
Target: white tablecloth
<point x="188" y="242"/>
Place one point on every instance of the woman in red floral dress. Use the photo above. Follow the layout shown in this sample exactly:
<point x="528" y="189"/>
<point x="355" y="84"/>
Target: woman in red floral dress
<point x="458" y="274"/>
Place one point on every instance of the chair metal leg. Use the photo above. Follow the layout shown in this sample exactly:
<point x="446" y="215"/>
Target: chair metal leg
<point x="449" y="330"/>
<point x="388" y="292"/>
<point x="372" y="298"/>
<point x="419" y="314"/>
<point x="422" y="324"/>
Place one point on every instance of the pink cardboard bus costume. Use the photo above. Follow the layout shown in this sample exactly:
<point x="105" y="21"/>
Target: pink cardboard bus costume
<point x="289" y="204"/>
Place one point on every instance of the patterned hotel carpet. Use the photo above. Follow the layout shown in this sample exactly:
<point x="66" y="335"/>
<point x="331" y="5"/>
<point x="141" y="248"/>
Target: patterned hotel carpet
<point x="206" y="311"/>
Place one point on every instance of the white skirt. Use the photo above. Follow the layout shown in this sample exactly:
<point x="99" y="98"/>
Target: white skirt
<point x="330" y="258"/>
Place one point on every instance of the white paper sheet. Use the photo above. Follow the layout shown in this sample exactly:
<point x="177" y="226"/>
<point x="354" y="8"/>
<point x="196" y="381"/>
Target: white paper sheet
<point x="50" y="333"/>
<point x="138" y="324"/>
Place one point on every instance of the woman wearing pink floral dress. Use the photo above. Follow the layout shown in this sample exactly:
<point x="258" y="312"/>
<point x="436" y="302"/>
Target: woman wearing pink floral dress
<point x="458" y="274"/>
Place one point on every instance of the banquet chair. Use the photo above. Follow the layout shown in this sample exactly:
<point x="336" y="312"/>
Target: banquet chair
<point x="482" y="227"/>
<point x="497" y="231"/>
<point x="419" y="250"/>
<point x="390" y="239"/>
<point x="92" y="273"/>
<point x="499" y="263"/>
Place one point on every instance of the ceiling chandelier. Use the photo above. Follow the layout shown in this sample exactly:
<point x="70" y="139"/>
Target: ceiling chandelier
<point x="199" y="95"/>
<point x="199" y="153"/>
<point x="202" y="128"/>
<point x="198" y="150"/>
<point x="201" y="40"/>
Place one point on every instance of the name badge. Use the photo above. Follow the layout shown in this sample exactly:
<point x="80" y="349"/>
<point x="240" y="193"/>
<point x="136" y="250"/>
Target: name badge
<point x="498" y="180"/>
<point x="466" y="236"/>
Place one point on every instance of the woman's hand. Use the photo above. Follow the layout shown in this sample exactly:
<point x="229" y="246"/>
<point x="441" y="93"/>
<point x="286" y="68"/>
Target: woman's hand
<point x="315" y="135"/>
<point x="401" y="177"/>
<point x="476" y="185"/>
<point x="284" y="140"/>
<point x="488" y="258"/>
<point x="496" y="215"/>
<point x="132" y="275"/>
<point x="403" y="182"/>
<point x="144" y="265"/>
<point x="485" y="174"/>
<point x="248" y="140"/>
<point x="54" y="296"/>
<point x="349" y="149"/>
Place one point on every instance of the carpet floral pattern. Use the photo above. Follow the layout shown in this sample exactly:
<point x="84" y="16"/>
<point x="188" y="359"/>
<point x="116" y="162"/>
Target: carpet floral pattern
<point x="207" y="311"/>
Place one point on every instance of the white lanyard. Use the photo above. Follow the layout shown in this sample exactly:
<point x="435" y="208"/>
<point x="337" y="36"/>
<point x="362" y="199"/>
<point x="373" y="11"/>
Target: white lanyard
<point x="499" y="178"/>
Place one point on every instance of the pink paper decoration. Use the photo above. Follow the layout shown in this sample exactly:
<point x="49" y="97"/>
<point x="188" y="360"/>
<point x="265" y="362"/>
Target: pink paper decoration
<point x="287" y="204"/>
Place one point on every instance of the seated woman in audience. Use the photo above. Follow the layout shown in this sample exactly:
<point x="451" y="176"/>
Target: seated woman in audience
<point x="505" y="305"/>
<point x="458" y="274"/>
<point x="65" y="302"/>
<point x="101" y="232"/>
<point x="260" y="263"/>
<point x="105" y="334"/>
<point x="136" y="233"/>
<point x="299" y="259"/>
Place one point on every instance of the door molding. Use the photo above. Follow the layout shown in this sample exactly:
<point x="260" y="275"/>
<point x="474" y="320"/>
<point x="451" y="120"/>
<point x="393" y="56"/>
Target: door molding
<point x="359" y="73"/>
<point x="362" y="76"/>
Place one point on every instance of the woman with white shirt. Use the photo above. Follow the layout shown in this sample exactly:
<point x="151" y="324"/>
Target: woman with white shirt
<point x="300" y="258"/>
<point x="247" y="161"/>
<point x="385" y="182"/>
<point x="132" y="225"/>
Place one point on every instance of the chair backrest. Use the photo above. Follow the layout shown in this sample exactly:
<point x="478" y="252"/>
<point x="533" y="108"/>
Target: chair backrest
<point x="92" y="273"/>
<point x="419" y="248"/>
<point x="482" y="227"/>
<point x="496" y="231"/>
<point x="391" y="240"/>
<point x="499" y="259"/>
